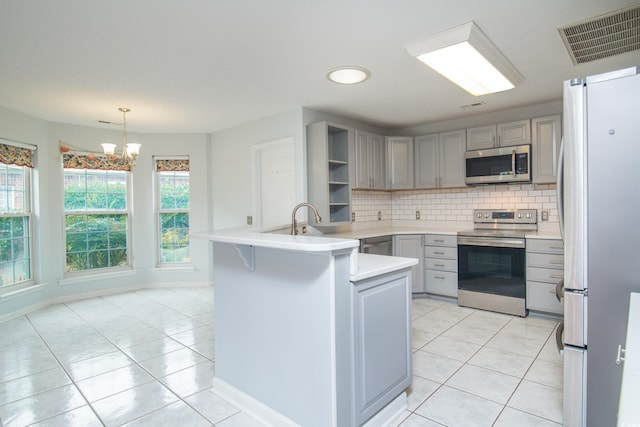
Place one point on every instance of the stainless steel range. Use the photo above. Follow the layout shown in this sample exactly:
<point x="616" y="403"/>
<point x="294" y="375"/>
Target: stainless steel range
<point x="492" y="260"/>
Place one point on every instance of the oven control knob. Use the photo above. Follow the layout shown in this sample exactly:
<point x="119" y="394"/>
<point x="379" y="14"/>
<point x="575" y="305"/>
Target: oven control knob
<point x="486" y="215"/>
<point x="528" y="214"/>
<point x="479" y="215"/>
<point x="519" y="215"/>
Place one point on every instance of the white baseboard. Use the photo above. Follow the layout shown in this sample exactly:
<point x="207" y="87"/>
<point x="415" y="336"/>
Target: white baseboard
<point x="388" y="415"/>
<point x="252" y="407"/>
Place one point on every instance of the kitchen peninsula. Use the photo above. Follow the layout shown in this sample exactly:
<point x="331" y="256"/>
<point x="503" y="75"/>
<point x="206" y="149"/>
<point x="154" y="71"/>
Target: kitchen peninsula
<point x="308" y="331"/>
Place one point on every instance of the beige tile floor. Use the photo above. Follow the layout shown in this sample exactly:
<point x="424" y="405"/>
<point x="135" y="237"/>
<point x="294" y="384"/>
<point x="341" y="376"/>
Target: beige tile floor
<point x="146" y="358"/>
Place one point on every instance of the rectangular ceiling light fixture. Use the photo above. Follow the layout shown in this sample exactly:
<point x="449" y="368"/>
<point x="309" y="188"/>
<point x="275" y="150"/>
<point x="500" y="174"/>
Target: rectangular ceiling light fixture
<point x="467" y="57"/>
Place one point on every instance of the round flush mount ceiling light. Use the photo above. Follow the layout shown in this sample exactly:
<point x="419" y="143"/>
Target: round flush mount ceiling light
<point x="348" y="75"/>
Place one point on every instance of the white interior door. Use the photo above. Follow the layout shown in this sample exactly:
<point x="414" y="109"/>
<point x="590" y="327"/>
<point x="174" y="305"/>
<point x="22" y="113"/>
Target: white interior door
<point x="274" y="182"/>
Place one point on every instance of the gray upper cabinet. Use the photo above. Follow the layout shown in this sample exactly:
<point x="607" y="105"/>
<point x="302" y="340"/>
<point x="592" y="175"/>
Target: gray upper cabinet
<point x="546" y="138"/>
<point x="400" y="162"/>
<point x="439" y="160"/>
<point x="370" y="161"/>
<point x="500" y="135"/>
<point x="481" y="137"/>
<point x="328" y="161"/>
<point x="514" y="133"/>
<point x="427" y="168"/>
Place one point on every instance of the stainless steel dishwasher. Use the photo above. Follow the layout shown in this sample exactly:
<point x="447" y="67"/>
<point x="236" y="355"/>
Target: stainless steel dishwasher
<point x="381" y="245"/>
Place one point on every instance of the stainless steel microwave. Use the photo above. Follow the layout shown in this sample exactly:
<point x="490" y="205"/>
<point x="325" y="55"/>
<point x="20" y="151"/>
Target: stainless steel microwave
<point x="498" y="165"/>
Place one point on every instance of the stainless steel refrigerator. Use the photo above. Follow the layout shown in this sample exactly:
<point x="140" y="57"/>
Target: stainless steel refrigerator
<point x="599" y="203"/>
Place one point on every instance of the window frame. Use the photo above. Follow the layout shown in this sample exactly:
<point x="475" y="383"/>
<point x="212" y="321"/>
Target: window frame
<point x="159" y="211"/>
<point x="28" y="214"/>
<point x="128" y="212"/>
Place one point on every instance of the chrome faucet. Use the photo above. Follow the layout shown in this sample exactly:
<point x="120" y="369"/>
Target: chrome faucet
<point x="294" y="223"/>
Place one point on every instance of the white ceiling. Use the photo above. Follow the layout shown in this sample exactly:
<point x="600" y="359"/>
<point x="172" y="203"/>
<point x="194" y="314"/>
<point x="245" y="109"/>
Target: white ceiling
<point x="207" y="65"/>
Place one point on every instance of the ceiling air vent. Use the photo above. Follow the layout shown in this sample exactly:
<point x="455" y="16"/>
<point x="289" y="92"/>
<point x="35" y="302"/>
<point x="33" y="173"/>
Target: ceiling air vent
<point x="475" y="104"/>
<point x="603" y="36"/>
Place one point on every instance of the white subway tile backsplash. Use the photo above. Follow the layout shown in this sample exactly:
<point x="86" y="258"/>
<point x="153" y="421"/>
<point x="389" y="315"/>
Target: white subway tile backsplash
<point x="455" y="204"/>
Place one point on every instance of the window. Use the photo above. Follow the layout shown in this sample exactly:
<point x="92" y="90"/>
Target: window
<point x="96" y="219"/>
<point x="15" y="224"/>
<point x="172" y="201"/>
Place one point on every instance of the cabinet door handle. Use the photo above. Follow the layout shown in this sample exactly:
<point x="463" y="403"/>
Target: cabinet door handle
<point x="438" y="240"/>
<point x="555" y="276"/>
<point x="556" y="262"/>
<point x="621" y="355"/>
<point x="439" y="265"/>
<point x="556" y="247"/>
<point x="438" y="253"/>
<point x="438" y="277"/>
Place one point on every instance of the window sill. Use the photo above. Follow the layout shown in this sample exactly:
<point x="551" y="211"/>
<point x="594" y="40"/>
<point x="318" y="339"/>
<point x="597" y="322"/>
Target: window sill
<point x="186" y="268"/>
<point x="21" y="290"/>
<point x="94" y="277"/>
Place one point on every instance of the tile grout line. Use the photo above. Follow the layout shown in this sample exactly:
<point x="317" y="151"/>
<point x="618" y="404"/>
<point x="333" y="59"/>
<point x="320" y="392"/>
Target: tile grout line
<point x="180" y="399"/>
<point x="520" y="379"/>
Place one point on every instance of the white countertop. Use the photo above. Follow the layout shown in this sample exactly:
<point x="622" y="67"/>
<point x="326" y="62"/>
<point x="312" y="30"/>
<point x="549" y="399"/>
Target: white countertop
<point x="340" y="240"/>
<point x="370" y="265"/>
<point x="544" y="235"/>
<point x="278" y="241"/>
<point x="450" y="230"/>
<point x="391" y="230"/>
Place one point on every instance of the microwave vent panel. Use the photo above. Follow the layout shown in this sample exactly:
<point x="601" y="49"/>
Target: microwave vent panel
<point x="603" y="36"/>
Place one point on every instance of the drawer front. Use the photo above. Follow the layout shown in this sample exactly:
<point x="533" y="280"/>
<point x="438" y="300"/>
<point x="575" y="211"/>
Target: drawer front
<point x="548" y="275"/>
<point x="542" y="297"/>
<point x="545" y="260"/>
<point x="440" y="240"/>
<point x="441" y="252"/>
<point x="545" y="246"/>
<point x="441" y="264"/>
<point x="441" y="282"/>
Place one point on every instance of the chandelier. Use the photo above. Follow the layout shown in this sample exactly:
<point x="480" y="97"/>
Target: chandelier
<point x="129" y="150"/>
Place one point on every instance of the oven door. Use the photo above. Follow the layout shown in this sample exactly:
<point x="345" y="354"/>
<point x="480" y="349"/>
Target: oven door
<point x="491" y="274"/>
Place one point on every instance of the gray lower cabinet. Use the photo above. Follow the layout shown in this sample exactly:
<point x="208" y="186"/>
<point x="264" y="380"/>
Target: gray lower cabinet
<point x="441" y="264"/>
<point x="411" y="246"/>
<point x="545" y="268"/>
<point x="382" y="341"/>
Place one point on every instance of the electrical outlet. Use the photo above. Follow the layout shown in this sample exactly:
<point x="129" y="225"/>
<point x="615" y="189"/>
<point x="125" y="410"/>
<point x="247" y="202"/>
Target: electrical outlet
<point x="545" y="215"/>
<point x="379" y="215"/>
<point x="249" y="220"/>
<point x="417" y="214"/>
<point x="353" y="217"/>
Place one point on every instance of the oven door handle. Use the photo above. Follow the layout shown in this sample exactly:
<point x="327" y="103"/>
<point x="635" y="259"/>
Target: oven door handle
<point x="513" y="163"/>
<point x="502" y="242"/>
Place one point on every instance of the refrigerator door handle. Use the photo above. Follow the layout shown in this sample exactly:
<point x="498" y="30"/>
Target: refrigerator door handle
<point x="559" y="333"/>
<point x="560" y="291"/>
<point x="560" y="189"/>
